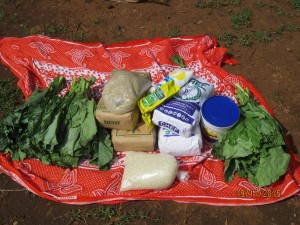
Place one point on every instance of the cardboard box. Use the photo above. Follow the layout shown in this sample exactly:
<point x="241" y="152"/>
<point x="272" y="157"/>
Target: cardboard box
<point x="142" y="138"/>
<point x="127" y="121"/>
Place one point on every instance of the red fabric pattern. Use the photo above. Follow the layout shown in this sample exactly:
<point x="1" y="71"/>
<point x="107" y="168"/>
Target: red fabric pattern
<point x="36" y="60"/>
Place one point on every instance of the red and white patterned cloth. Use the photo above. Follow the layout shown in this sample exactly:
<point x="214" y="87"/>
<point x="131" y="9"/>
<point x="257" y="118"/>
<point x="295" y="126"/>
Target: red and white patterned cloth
<point x="36" y="60"/>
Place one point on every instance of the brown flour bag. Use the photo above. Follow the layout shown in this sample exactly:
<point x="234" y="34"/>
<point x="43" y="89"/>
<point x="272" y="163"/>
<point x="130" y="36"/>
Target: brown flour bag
<point x="142" y="138"/>
<point x="109" y="120"/>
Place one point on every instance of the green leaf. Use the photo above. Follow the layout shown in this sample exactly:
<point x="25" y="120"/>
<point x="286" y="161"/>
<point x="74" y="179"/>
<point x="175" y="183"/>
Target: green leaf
<point x="72" y="136"/>
<point x="231" y="166"/>
<point x="272" y="166"/>
<point x="178" y="60"/>
<point x="242" y="95"/>
<point x="89" y="125"/>
<point x="49" y="135"/>
<point x="105" y="150"/>
<point x="19" y="155"/>
<point x="3" y="140"/>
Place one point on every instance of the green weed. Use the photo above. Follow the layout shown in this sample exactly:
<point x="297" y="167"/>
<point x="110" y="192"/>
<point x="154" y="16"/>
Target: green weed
<point x="259" y="5"/>
<point x="2" y="15"/>
<point x="211" y="4"/>
<point x="236" y="2"/>
<point x="10" y="95"/>
<point x="12" y="18"/>
<point x="104" y="213"/>
<point x="263" y="36"/>
<point x="97" y="21"/>
<point x="81" y="36"/>
<point x="112" y="215"/>
<point x="76" y="215"/>
<point x="56" y="28"/>
<point x="173" y="32"/>
<point x="292" y="27"/>
<point x="77" y="36"/>
<point x="242" y="19"/>
<point x="276" y="9"/>
<point x="295" y="4"/>
<point x="118" y="32"/>
<point x="244" y="40"/>
<point x="280" y="29"/>
<point x="227" y="38"/>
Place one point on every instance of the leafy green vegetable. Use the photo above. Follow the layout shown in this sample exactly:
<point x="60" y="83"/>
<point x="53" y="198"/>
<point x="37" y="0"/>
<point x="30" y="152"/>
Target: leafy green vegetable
<point x="57" y="130"/>
<point x="254" y="147"/>
<point x="178" y="60"/>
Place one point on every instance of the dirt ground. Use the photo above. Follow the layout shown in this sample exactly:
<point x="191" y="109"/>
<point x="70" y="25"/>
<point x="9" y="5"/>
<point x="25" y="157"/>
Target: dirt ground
<point x="265" y="42"/>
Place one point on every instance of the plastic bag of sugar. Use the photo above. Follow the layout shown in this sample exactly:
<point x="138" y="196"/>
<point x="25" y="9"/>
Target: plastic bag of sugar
<point x="182" y="113"/>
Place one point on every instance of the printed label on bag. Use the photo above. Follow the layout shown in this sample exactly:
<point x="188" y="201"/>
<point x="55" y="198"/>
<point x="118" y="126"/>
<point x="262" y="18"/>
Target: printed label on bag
<point x="177" y="114"/>
<point x="168" y="126"/>
<point x="193" y="90"/>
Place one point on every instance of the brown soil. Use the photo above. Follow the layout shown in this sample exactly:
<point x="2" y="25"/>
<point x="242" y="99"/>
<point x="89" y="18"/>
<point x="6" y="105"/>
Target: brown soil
<point x="272" y="67"/>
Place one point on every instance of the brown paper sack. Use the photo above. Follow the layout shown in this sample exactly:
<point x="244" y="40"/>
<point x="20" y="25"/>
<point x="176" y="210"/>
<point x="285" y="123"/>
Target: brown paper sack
<point x="127" y="121"/>
<point x="142" y="138"/>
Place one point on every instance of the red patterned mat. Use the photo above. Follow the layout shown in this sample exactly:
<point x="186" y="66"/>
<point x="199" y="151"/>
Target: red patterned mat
<point x="36" y="60"/>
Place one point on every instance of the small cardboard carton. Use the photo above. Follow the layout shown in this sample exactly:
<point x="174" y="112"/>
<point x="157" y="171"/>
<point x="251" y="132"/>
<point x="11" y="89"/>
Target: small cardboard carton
<point x="142" y="138"/>
<point x="109" y="120"/>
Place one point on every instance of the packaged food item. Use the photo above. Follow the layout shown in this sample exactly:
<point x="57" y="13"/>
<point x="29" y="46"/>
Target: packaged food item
<point x="154" y="99"/>
<point x="180" y="77"/>
<point x="123" y="90"/>
<point x="142" y="138"/>
<point x="183" y="112"/>
<point x="197" y="90"/>
<point x="148" y="171"/>
<point x="127" y="121"/>
<point x="219" y="114"/>
<point x="173" y="144"/>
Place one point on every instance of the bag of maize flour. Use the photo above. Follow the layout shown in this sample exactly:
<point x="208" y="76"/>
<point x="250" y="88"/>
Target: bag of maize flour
<point x="173" y="144"/>
<point x="182" y="113"/>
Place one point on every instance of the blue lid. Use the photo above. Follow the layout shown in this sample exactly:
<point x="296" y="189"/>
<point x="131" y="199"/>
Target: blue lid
<point x="220" y="111"/>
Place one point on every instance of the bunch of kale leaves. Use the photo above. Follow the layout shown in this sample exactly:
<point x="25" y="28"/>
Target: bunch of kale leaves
<point x="57" y="130"/>
<point x="254" y="147"/>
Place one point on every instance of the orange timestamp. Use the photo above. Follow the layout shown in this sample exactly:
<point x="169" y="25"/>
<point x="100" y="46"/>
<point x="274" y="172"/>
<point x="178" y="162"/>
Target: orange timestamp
<point x="261" y="193"/>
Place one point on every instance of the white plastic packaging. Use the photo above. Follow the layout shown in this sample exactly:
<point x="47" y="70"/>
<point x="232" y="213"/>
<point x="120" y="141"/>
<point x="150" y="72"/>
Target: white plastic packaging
<point x="182" y="113"/>
<point x="148" y="171"/>
<point x="180" y="77"/>
<point x="183" y="176"/>
<point x="173" y="144"/>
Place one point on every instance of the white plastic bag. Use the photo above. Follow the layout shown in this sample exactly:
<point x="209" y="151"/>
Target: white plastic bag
<point x="173" y="144"/>
<point x="148" y="171"/>
<point x="183" y="112"/>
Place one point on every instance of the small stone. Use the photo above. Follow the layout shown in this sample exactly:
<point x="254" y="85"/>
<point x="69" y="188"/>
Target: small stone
<point x="199" y="22"/>
<point x="289" y="49"/>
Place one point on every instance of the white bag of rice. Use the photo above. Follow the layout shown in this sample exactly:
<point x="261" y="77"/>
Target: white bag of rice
<point x="173" y="144"/>
<point x="148" y="171"/>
